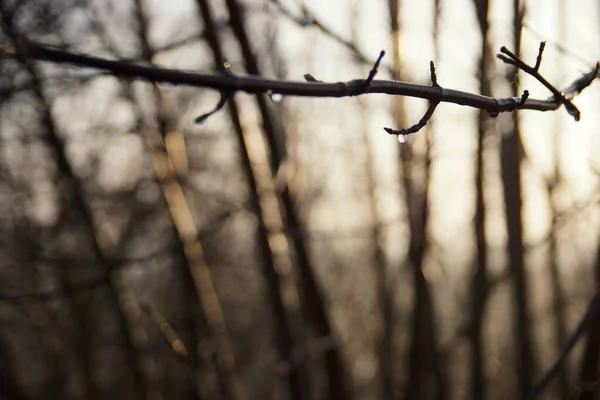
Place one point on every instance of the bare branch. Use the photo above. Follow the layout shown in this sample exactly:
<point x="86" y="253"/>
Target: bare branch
<point x="225" y="96"/>
<point x="256" y="84"/>
<point x="428" y="114"/>
<point x="560" y="96"/>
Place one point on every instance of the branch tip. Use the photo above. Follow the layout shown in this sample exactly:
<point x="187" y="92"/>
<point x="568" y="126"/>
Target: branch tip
<point x="538" y="60"/>
<point x="310" y="78"/>
<point x="225" y="96"/>
<point x="524" y="97"/>
<point x="559" y="96"/>
<point x="434" y="82"/>
<point x="428" y="114"/>
<point x="225" y="68"/>
<point x="506" y="59"/>
<point x="373" y="72"/>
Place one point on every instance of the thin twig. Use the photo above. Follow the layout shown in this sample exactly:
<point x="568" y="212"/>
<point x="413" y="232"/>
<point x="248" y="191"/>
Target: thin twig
<point x="309" y="19"/>
<point x="561" y="96"/>
<point x="367" y="82"/>
<point x="538" y="60"/>
<point x="225" y="96"/>
<point x="428" y="114"/>
<point x="373" y="71"/>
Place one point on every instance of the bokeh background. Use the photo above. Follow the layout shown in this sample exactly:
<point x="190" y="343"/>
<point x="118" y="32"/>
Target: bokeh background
<point x="288" y="248"/>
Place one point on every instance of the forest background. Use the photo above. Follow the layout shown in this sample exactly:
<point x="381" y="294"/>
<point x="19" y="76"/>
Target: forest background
<point x="288" y="247"/>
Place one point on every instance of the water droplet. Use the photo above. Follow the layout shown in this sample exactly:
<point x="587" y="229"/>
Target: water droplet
<point x="402" y="139"/>
<point x="493" y="114"/>
<point x="275" y="97"/>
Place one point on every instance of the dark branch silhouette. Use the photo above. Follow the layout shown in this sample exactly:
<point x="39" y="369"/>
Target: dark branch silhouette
<point x="563" y="96"/>
<point x="355" y="87"/>
<point x="428" y="114"/>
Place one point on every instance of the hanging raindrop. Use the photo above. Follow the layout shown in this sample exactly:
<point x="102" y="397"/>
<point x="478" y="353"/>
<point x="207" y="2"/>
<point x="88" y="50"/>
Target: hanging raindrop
<point x="402" y="139"/>
<point x="275" y="97"/>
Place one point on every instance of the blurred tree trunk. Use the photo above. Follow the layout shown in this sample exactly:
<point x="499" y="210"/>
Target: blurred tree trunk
<point x="189" y="304"/>
<point x="589" y="374"/>
<point x="8" y="384"/>
<point x="77" y="306"/>
<point x="282" y="291"/>
<point x="558" y="300"/>
<point x="170" y="165"/>
<point x="511" y="151"/>
<point x="313" y="301"/>
<point x="191" y="310"/>
<point x="385" y="294"/>
<point x="199" y="375"/>
<point x="479" y="286"/>
<point x="384" y="286"/>
<point x="41" y="319"/>
<point x="75" y="194"/>
<point x="553" y="186"/>
<point x="426" y="378"/>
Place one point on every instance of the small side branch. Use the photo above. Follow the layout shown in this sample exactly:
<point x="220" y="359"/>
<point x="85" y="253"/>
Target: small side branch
<point x="225" y="96"/>
<point x="428" y="114"/>
<point x="510" y="58"/>
<point x="373" y="72"/>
